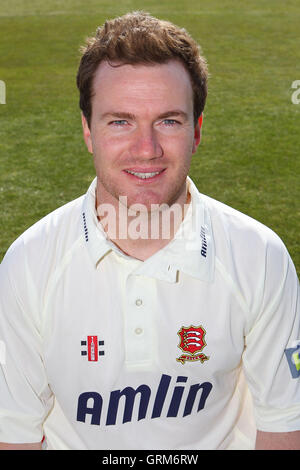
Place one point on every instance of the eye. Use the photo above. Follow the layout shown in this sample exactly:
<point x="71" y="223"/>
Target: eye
<point x="170" y="122"/>
<point x="118" y="123"/>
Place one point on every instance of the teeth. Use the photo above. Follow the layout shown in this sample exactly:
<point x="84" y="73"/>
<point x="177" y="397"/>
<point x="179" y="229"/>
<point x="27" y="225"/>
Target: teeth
<point x="143" y="175"/>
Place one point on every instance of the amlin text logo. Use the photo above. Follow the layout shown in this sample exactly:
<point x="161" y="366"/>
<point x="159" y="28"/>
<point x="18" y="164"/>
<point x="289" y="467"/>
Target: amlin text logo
<point x="293" y="358"/>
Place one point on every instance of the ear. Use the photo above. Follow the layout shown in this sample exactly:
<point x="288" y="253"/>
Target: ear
<point x="197" y="133"/>
<point x="86" y="133"/>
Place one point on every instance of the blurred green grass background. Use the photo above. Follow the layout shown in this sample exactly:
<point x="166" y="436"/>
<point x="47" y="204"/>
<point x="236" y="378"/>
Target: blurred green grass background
<point x="249" y="154"/>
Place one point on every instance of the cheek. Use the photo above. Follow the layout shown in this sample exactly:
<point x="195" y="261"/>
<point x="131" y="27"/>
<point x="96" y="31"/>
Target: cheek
<point x="181" y="149"/>
<point x="106" y="150"/>
<point x="113" y="151"/>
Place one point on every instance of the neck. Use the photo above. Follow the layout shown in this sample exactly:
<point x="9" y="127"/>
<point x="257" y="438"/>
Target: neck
<point x="142" y="234"/>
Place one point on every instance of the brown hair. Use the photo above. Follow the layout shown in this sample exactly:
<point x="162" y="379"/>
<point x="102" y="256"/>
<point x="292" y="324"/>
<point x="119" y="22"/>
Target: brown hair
<point x="139" y="38"/>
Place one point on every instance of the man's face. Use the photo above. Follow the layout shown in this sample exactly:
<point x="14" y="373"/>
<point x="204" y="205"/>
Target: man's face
<point x="142" y="133"/>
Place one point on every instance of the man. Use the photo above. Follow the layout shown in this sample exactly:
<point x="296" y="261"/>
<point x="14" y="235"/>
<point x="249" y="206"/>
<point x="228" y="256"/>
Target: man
<point x="143" y="314"/>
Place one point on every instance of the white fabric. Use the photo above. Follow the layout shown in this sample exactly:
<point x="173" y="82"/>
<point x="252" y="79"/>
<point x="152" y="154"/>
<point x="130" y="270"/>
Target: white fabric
<point x="62" y="283"/>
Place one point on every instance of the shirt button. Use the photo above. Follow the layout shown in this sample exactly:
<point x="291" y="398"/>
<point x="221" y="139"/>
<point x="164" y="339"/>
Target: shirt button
<point x="138" y="302"/>
<point x="138" y="331"/>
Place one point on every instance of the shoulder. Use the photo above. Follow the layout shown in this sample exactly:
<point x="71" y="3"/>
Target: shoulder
<point x="239" y="232"/>
<point x="46" y="241"/>
<point x="250" y="257"/>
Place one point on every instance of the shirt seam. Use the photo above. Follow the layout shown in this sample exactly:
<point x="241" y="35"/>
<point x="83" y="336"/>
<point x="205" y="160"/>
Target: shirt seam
<point x="79" y="242"/>
<point x="238" y="295"/>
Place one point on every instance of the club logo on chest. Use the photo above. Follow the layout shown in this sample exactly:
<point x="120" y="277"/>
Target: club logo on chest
<point x="191" y="343"/>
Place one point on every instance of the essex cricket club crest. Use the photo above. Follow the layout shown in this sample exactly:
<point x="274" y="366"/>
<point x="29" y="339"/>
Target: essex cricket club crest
<point x="191" y="343"/>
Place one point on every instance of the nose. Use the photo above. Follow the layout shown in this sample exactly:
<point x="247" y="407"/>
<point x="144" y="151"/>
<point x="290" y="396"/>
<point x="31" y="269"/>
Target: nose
<point x="146" y="144"/>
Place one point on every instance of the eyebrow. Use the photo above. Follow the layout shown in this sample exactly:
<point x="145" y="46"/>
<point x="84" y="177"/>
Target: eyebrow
<point x="123" y="115"/>
<point x="113" y="114"/>
<point x="174" y="113"/>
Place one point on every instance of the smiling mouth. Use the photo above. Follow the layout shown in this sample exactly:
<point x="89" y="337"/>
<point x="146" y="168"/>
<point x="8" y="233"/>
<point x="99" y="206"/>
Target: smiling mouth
<point x="144" y="175"/>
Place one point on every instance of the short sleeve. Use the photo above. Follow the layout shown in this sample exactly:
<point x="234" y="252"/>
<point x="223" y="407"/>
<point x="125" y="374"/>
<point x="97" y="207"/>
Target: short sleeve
<point x="272" y="348"/>
<point x="25" y="397"/>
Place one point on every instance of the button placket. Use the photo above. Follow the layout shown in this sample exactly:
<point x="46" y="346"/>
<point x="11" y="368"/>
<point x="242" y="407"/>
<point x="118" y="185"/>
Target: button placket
<point x="140" y="326"/>
<point x="138" y="320"/>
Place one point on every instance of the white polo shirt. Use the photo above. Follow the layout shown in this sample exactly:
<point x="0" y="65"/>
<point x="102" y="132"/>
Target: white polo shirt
<point x="103" y="351"/>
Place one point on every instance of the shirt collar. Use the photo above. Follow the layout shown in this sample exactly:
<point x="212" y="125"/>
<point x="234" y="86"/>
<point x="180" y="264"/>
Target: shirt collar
<point x="191" y="251"/>
<point x="96" y="240"/>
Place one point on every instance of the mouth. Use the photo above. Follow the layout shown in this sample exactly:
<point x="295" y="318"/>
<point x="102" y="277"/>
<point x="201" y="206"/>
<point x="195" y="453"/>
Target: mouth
<point x="145" y="175"/>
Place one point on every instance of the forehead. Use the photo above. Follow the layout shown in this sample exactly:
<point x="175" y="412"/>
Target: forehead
<point x="141" y="84"/>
